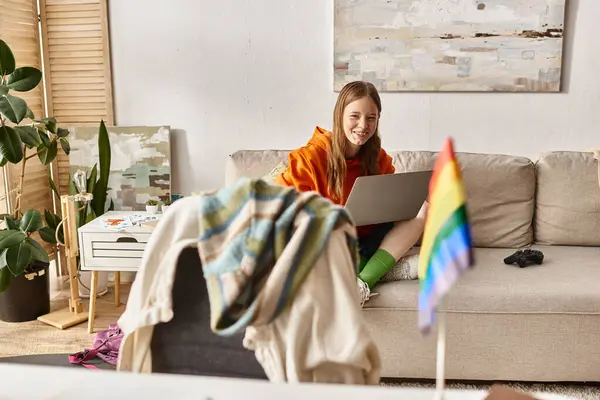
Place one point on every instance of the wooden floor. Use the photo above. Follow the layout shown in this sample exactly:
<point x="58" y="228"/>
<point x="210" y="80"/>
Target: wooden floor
<point x="35" y="337"/>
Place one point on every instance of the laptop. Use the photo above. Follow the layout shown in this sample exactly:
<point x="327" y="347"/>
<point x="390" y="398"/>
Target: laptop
<point x="388" y="198"/>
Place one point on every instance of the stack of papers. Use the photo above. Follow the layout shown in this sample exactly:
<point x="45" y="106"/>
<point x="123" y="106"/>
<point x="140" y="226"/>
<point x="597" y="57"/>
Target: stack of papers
<point x="124" y="222"/>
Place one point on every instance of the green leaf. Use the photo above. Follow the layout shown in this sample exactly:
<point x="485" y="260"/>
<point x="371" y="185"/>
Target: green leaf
<point x="10" y="144"/>
<point x="24" y="79"/>
<point x="47" y="234"/>
<point x="29" y="135"/>
<point x="11" y="223"/>
<point x="18" y="257"/>
<point x="80" y="216"/>
<point x="64" y="143"/>
<point x="37" y="251"/>
<point x="53" y="186"/>
<point x="29" y="114"/>
<point x="44" y="137"/>
<point x="72" y="188"/>
<point x="104" y="156"/>
<point x="57" y="219"/>
<point x="11" y="238"/>
<point x="48" y="154"/>
<point x="97" y="201"/>
<point x="3" y="90"/>
<point x="3" y="160"/>
<point x="104" y="153"/>
<point x="91" y="216"/>
<point x="31" y="221"/>
<point x="51" y="219"/>
<point x="50" y="123"/>
<point x="7" y="59"/>
<point x="91" y="182"/>
<point x="62" y="132"/>
<point x="6" y="277"/>
<point x="13" y="108"/>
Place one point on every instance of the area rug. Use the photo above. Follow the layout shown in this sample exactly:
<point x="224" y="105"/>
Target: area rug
<point x="570" y="391"/>
<point x="34" y="337"/>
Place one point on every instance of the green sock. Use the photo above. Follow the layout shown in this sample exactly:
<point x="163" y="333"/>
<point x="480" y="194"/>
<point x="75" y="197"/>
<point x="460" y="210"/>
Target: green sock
<point x="361" y="264"/>
<point x="376" y="267"/>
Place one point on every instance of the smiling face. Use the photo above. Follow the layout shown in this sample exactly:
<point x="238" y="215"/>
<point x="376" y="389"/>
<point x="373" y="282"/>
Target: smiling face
<point x="360" y="121"/>
<point x="355" y="133"/>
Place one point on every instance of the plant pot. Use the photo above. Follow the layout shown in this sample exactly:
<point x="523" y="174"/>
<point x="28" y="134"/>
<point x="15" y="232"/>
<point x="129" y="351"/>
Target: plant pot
<point x="124" y="277"/>
<point x="85" y="283"/>
<point x="27" y="297"/>
<point x="164" y="208"/>
<point x="152" y="209"/>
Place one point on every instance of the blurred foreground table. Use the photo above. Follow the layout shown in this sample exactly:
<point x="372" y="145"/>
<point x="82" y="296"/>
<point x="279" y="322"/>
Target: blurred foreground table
<point x="37" y="382"/>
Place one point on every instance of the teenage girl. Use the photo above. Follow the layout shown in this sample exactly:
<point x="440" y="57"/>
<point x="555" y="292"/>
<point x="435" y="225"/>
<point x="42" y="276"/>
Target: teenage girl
<point x="330" y="163"/>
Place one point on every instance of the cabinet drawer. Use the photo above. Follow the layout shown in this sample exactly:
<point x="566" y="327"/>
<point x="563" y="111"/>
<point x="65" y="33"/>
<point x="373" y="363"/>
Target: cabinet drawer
<point x="113" y="249"/>
<point x="98" y="245"/>
<point x="117" y="253"/>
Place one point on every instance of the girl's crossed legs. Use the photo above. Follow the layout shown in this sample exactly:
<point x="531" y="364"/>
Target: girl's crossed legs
<point x="384" y="246"/>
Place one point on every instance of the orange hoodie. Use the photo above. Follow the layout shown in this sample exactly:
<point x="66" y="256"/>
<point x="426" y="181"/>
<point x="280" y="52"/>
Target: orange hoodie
<point x="307" y="168"/>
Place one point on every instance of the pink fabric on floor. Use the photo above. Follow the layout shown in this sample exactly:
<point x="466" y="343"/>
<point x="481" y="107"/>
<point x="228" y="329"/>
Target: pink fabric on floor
<point x="106" y="346"/>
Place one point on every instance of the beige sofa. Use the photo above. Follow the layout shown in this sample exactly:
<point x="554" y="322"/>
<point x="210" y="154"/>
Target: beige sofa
<point x="539" y="323"/>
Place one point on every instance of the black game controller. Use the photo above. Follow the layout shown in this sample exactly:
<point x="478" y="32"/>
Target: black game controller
<point x="525" y="257"/>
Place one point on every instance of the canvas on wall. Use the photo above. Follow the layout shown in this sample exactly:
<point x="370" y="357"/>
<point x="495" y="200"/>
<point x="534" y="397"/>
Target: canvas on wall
<point x="140" y="162"/>
<point x="450" y="45"/>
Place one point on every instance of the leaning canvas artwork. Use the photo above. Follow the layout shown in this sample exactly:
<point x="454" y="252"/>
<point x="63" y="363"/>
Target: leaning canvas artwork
<point x="140" y="162"/>
<point x="450" y="45"/>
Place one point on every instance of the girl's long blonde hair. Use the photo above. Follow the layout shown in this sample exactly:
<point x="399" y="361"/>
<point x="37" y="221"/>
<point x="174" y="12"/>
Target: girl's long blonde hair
<point x="368" y="153"/>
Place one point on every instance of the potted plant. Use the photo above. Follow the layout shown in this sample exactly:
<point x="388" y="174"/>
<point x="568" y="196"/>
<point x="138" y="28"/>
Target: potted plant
<point x="152" y="206"/>
<point x="24" y="283"/>
<point x="165" y="205"/>
<point x="97" y="184"/>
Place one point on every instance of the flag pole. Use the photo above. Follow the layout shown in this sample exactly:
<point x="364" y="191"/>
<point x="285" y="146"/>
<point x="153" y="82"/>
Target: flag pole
<point x="441" y="356"/>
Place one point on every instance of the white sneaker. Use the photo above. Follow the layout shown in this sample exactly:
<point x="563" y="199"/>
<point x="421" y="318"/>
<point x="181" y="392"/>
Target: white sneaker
<point x="364" y="293"/>
<point x="407" y="268"/>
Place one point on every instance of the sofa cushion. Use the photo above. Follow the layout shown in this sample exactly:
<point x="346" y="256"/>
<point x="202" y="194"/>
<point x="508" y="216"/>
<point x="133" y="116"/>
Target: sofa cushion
<point x="252" y="164"/>
<point x="500" y="194"/>
<point x="500" y="188"/>
<point x="271" y="176"/>
<point x="566" y="282"/>
<point x="567" y="209"/>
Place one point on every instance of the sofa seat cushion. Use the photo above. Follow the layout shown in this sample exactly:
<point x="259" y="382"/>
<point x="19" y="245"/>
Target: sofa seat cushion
<point x="566" y="282"/>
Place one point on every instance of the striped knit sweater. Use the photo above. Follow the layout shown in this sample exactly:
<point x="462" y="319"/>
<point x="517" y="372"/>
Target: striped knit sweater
<point x="257" y="244"/>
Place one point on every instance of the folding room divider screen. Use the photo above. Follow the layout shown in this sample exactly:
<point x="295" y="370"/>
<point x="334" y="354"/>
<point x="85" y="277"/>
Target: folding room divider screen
<point x="69" y="41"/>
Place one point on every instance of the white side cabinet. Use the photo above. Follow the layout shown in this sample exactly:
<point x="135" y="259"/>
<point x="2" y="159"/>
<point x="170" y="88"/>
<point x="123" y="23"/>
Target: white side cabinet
<point x="102" y="249"/>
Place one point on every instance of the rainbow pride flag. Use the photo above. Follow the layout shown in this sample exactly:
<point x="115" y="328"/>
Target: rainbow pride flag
<point x="446" y="249"/>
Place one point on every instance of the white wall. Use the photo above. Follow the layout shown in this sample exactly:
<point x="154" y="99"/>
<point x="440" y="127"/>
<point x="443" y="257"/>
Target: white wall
<point x="251" y="74"/>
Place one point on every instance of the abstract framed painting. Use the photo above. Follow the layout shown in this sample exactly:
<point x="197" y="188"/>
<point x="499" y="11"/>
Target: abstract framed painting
<point x="140" y="167"/>
<point x="450" y="45"/>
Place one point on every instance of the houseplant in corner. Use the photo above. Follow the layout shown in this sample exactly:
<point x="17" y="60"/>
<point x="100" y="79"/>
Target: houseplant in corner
<point x="97" y="184"/>
<point x="24" y="284"/>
